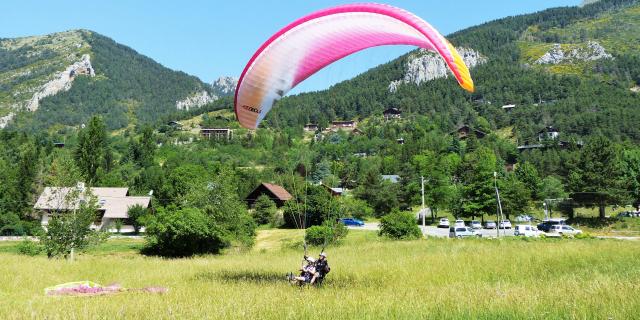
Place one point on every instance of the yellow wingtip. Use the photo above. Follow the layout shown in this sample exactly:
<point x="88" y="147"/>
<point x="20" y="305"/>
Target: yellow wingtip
<point x="464" y="78"/>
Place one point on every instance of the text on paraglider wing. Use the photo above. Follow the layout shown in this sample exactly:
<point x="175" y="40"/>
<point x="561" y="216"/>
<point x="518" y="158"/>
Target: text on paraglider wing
<point x="252" y="109"/>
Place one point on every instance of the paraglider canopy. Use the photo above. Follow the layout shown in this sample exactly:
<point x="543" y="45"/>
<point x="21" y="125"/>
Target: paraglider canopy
<point x="311" y="43"/>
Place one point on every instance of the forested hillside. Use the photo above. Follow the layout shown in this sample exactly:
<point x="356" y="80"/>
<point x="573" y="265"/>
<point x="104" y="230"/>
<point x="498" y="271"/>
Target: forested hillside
<point x="581" y="98"/>
<point x="126" y="87"/>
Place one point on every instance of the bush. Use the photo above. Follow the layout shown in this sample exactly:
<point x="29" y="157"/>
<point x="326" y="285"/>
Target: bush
<point x="326" y="234"/>
<point x="400" y="225"/>
<point x="583" y="235"/>
<point x="138" y="215"/>
<point x="183" y="233"/>
<point x="30" y="248"/>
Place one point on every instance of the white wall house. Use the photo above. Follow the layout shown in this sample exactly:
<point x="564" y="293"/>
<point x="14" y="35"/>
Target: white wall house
<point x="113" y="204"/>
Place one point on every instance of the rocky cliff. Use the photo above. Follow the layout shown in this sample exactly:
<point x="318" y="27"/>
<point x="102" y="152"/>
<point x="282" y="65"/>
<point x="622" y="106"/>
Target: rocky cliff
<point x="225" y="86"/>
<point x="426" y="66"/>
<point x="196" y="101"/>
<point x="592" y="51"/>
<point x="62" y="81"/>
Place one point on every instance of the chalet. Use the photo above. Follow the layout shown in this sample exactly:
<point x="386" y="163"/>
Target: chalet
<point x="275" y="192"/>
<point x="464" y="132"/>
<point x="175" y="125"/>
<point x="113" y="204"/>
<point x="392" y="113"/>
<point x="548" y="133"/>
<point x="336" y="192"/>
<point x="343" y="124"/>
<point x="310" y="127"/>
<point x="400" y="141"/>
<point x="58" y="145"/>
<point x="508" y="107"/>
<point x="217" y="134"/>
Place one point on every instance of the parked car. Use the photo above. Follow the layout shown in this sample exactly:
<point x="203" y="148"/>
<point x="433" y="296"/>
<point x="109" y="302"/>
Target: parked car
<point x="476" y="225"/>
<point x="444" y="223"/>
<point x="564" y="229"/>
<point x="490" y="225"/>
<point x="505" y="224"/>
<point x="524" y="218"/>
<point x="462" y="232"/>
<point x="459" y="223"/>
<point x="628" y="214"/>
<point x="352" y="222"/>
<point x="547" y="224"/>
<point x="526" y="230"/>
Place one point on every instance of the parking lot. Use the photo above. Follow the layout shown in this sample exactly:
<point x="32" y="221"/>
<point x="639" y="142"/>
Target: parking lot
<point x="432" y="231"/>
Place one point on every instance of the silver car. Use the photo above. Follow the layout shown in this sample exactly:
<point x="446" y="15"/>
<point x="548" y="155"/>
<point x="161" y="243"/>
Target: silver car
<point x="462" y="232"/>
<point x="490" y="225"/>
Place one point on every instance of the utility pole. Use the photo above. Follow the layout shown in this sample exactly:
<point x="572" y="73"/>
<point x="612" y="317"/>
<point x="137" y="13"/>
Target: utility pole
<point x="499" y="209"/>
<point x="422" y="211"/>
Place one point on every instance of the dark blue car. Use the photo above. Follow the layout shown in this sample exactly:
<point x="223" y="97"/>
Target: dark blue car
<point x="351" y="222"/>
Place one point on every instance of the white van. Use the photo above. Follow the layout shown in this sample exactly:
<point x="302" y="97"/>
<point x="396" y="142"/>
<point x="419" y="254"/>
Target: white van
<point x="526" y="230"/>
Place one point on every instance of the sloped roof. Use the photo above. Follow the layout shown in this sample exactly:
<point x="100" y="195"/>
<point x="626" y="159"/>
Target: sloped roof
<point x="119" y="207"/>
<point x="393" y="178"/>
<point x="114" y="201"/>
<point x="278" y="191"/>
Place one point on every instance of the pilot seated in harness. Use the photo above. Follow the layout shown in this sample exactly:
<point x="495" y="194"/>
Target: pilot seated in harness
<point x="307" y="272"/>
<point x="321" y="269"/>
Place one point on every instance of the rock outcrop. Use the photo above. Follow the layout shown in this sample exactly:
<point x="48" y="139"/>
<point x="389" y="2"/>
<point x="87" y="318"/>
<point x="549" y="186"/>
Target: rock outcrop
<point x="592" y="51"/>
<point x="426" y="66"/>
<point x="62" y="81"/>
<point x="225" y="86"/>
<point x="4" y="121"/>
<point x="196" y="101"/>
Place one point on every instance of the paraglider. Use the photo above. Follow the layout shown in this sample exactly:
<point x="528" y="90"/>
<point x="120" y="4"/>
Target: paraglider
<point x="311" y="43"/>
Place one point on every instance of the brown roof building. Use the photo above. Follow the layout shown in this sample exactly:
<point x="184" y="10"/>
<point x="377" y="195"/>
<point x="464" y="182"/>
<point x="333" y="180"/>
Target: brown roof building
<point x="275" y="192"/>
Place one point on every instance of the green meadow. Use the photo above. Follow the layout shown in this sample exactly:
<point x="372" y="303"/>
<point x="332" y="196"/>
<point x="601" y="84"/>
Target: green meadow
<point x="371" y="278"/>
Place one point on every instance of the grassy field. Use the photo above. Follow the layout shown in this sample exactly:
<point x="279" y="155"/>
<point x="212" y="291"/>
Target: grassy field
<point x="370" y="278"/>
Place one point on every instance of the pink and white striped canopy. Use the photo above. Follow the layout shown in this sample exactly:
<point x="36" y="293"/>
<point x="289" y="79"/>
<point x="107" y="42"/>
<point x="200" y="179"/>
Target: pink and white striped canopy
<point x="321" y="38"/>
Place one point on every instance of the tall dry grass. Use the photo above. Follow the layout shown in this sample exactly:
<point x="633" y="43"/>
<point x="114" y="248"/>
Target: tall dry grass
<point x="370" y="279"/>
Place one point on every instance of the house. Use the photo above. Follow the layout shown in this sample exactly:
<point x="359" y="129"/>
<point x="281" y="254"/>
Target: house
<point x="218" y="134"/>
<point x="464" y="132"/>
<point x="275" y="192"/>
<point x="343" y="124"/>
<point x="508" y="107"/>
<point x="336" y="192"/>
<point x="113" y="204"/>
<point x="394" y="178"/>
<point x="58" y="145"/>
<point x="400" y="141"/>
<point x="548" y="133"/>
<point x="310" y="127"/>
<point x="392" y="113"/>
<point x="175" y="125"/>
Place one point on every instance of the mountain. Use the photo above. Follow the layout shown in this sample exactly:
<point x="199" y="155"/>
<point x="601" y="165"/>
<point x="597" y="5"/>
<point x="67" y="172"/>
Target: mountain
<point x="63" y="78"/>
<point x="574" y="68"/>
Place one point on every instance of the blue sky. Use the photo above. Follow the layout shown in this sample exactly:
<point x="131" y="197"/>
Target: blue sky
<point x="213" y="38"/>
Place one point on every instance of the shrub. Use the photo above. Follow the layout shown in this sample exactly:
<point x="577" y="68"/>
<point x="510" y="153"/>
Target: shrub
<point x="328" y="233"/>
<point x="138" y="215"/>
<point x="183" y="233"/>
<point x="583" y="235"/>
<point x="400" y="225"/>
<point x="30" y="248"/>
